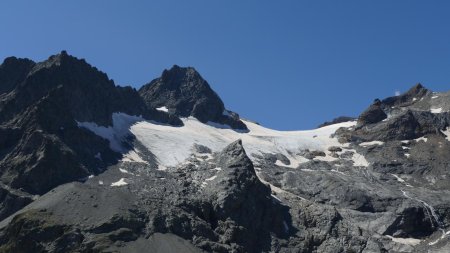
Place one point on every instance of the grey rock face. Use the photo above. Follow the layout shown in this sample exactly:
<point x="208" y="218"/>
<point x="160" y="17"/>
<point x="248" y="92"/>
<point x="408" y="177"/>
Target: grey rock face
<point x="237" y="194"/>
<point x="216" y="218"/>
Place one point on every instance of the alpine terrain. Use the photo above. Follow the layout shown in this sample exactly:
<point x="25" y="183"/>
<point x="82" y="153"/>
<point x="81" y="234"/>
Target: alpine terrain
<point x="88" y="166"/>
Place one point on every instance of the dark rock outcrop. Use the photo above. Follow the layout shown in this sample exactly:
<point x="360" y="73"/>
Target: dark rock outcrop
<point x="412" y="95"/>
<point x="413" y="222"/>
<point x="237" y="194"/>
<point x="88" y="94"/>
<point x="373" y="114"/>
<point x="13" y="71"/>
<point x="185" y="93"/>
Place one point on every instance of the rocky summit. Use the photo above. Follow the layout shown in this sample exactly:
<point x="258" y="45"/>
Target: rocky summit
<point x="89" y="166"/>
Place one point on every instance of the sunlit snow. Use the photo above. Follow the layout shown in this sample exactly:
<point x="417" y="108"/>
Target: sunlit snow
<point x="162" y="109"/>
<point x="116" y="133"/>
<point x="424" y="139"/>
<point x="446" y="132"/>
<point x="436" y="110"/>
<point x="173" y="145"/>
<point x="408" y="241"/>
<point x="133" y="156"/>
<point x="371" y="143"/>
<point x="121" y="182"/>
<point x="211" y="178"/>
<point x="124" y="171"/>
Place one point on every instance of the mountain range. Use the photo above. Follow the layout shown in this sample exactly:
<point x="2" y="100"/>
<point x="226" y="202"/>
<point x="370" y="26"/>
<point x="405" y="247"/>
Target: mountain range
<point x="89" y="166"/>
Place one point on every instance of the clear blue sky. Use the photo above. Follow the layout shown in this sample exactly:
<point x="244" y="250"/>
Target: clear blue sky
<point x="286" y="64"/>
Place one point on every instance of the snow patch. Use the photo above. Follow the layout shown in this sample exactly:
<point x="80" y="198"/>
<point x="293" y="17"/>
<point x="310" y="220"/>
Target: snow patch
<point x="433" y="97"/>
<point x="211" y="178"/>
<point x="398" y="178"/>
<point x="133" y="156"/>
<point x="116" y="133"/>
<point x="121" y="182"/>
<point x="446" y="132"/>
<point x="280" y="163"/>
<point x="162" y="168"/>
<point x="436" y="110"/>
<point x="326" y="158"/>
<point x="275" y="197"/>
<point x="424" y="139"/>
<point x="401" y="181"/>
<point x="371" y="143"/>
<point x="408" y="241"/>
<point x="124" y="171"/>
<point x="359" y="160"/>
<point x="162" y="109"/>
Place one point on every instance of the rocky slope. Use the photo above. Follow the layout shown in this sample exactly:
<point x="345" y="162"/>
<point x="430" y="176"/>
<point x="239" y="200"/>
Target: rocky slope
<point x="41" y="145"/>
<point x="87" y="166"/>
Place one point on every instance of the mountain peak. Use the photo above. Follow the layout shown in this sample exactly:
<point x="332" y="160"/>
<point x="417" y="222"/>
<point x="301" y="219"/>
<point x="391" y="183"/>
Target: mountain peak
<point x="12" y="72"/>
<point x="184" y="92"/>
<point x="183" y="76"/>
<point x="411" y="96"/>
<point x="12" y="60"/>
<point x="417" y="89"/>
<point x="88" y="93"/>
<point x="61" y="59"/>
